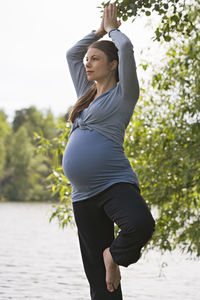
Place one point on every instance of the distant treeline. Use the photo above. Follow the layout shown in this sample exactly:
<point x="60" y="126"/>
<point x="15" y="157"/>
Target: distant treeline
<point x="23" y="168"/>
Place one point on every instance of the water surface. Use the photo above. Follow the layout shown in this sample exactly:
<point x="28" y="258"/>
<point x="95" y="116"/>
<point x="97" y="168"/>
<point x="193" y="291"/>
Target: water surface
<point x="39" y="260"/>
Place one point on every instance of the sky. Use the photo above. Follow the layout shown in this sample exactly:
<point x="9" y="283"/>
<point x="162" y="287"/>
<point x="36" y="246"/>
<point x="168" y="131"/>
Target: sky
<point x="34" y="37"/>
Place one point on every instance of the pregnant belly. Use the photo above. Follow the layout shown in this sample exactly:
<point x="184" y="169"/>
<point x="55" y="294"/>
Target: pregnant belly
<point x="89" y="156"/>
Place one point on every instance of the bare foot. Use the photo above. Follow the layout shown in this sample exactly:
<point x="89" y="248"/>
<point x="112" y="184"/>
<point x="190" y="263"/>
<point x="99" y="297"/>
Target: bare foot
<point x="113" y="276"/>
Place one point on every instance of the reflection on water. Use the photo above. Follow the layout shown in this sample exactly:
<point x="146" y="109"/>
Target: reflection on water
<point x="39" y="260"/>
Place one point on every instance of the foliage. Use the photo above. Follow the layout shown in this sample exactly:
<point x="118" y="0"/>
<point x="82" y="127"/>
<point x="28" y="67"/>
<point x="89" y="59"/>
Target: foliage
<point x="22" y="169"/>
<point x="58" y="183"/>
<point x="21" y="154"/>
<point x="4" y="132"/>
<point x="34" y="121"/>
<point x="166" y="147"/>
<point x="175" y="14"/>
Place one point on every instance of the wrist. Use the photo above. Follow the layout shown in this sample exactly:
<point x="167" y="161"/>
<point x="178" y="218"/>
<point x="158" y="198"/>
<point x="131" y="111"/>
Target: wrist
<point x="110" y="28"/>
<point x="114" y="29"/>
<point x="100" y="33"/>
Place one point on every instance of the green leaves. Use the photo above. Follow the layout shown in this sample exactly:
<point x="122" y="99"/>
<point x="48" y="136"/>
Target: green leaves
<point x="58" y="183"/>
<point x="4" y="134"/>
<point x="23" y="169"/>
<point x="163" y="142"/>
<point x="174" y="15"/>
<point x="147" y="13"/>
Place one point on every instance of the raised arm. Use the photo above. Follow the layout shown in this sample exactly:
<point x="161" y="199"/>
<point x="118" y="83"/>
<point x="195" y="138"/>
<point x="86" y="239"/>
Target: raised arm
<point x="128" y="81"/>
<point x="75" y="56"/>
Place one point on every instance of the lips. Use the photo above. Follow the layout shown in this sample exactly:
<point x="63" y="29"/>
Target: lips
<point x="89" y="72"/>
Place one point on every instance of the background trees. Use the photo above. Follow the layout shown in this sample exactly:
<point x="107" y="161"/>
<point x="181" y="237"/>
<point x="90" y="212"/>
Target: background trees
<point x="23" y="170"/>
<point x="4" y="132"/>
<point x="175" y="15"/>
<point x="165" y="150"/>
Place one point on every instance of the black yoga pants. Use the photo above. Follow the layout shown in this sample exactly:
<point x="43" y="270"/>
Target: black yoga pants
<point x="123" y="205"/>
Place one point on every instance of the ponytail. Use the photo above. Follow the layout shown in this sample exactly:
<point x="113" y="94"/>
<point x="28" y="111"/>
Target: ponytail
<point x="82" y="103"/>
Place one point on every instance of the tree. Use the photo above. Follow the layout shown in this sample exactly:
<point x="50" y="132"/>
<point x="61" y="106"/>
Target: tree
<point x="23" y="169"/>
<point x="20" y="156"/>
<point x="35" y="121"/>
<point x="4" y="131"/>
<point x="58" y="183"/>
<point x="27" y="170"/>
<point x="166" y="147"/>
<point x="174" y="14"/>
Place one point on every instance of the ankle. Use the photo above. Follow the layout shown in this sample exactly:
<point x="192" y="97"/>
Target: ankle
<point x="109" y="257"/>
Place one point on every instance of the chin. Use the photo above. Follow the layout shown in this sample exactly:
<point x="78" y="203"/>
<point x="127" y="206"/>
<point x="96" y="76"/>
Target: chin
<point x="90" y="78"/>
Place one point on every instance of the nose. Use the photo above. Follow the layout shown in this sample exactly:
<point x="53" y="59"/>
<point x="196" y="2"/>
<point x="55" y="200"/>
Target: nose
<point x="88" y="64"/>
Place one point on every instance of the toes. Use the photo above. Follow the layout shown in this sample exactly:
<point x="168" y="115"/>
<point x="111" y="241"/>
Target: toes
<point x="110" y="287"/>
<point x="116" y="284"/>
<point x="113" y="286"/>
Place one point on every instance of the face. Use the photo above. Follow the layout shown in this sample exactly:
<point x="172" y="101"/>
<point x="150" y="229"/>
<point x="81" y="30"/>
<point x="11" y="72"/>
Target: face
<point x="97" y="66"/>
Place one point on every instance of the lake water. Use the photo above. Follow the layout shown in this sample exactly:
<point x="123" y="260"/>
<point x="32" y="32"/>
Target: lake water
<point x="39" y="260"/>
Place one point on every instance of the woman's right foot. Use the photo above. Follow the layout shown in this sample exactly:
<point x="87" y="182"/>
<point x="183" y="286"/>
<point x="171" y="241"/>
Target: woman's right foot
<point x="113" y="275"/>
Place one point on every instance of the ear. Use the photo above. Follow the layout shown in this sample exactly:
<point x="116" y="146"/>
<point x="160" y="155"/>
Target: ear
<point x="114" y="65"/>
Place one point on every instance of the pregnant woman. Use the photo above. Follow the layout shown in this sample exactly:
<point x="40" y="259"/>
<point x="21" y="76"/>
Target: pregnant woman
<point x="105" y="189"/>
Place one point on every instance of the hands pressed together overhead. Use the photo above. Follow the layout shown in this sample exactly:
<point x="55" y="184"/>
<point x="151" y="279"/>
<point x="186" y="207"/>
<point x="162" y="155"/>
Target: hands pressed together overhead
<point x="109" y="20"/>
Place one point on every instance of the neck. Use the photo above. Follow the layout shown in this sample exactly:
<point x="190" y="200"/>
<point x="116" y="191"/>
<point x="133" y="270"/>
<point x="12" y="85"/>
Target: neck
<point x="103" y="87"/>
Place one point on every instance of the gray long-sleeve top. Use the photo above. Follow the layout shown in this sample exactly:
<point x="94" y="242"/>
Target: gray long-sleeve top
<point x="94" y="157"/>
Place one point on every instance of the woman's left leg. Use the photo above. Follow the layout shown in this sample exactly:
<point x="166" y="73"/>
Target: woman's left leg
<point x="125" y="206"/>
<point x="96" y="232"/>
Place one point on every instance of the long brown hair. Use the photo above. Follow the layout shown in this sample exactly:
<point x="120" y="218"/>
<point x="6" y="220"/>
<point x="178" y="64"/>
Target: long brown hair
<point x="111" y="51"/>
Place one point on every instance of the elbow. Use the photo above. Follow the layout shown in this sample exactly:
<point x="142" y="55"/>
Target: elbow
<point x="69" y="54"/>
<point x="136" y="88"/>
<point x="137" y="92"/>
<point x="126" y="46"/>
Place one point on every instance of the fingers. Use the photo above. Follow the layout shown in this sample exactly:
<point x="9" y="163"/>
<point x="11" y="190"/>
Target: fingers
<point x="114" y="10"/>
<point x="105" y="12"/>
<point x="118" y="23"/>
<point x="111" y="10"/>
<point x="110" y="17"/>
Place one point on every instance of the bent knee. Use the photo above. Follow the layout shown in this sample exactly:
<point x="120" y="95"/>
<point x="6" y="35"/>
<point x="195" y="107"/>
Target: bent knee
<point x="143" y="227"/>
<point x="147" y="228"/>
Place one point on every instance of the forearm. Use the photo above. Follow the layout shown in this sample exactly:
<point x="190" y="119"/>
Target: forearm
<point x="75" y="57"/>
<point x="100" y="33"/>
<point x="120" y="39"/>
<point x="79" y="50"/>
<point x="127" y="67"/>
